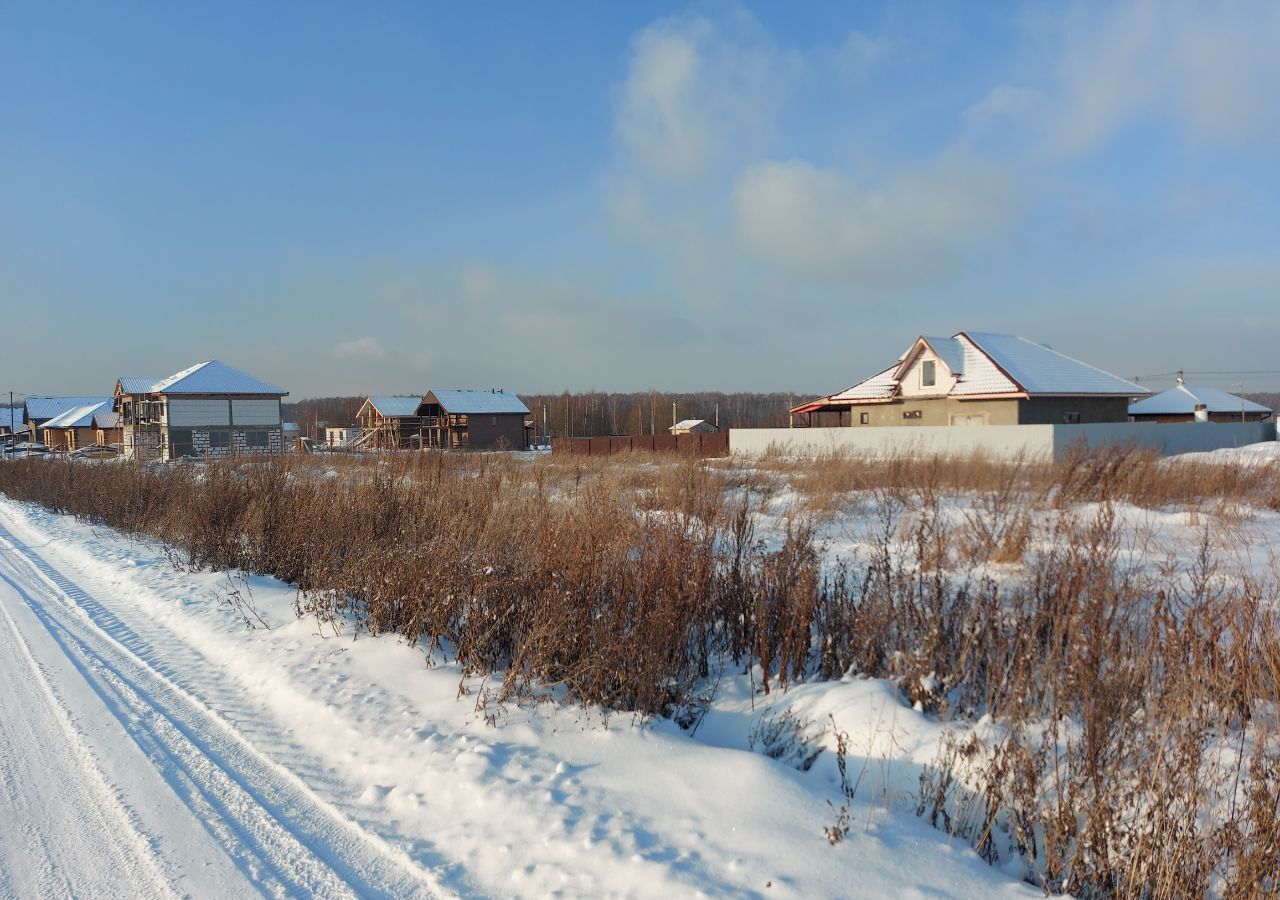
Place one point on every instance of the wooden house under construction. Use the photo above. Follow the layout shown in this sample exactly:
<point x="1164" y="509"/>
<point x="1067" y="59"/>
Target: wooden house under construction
<point x="389" y="422"/>
<point x="445" y="420"/>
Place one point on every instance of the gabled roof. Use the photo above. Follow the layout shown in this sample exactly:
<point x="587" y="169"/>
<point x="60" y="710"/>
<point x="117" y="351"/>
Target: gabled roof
<point x="106" y="418"/>
<point x="131" y="385"/>
<point x="1038" y="369"/>
<point x="880" y="386"/>
<point x="1183" y="399"/>
<point x="214" y="377"/>
<point x="78" y="417"/>
<point x="479" y="402"/>
<point x="987" y="364"/>
<point x="396" y="406"/>
<point x="41" y="408"/>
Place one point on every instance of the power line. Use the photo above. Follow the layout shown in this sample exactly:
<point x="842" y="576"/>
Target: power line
<point x="1211" y="372"/>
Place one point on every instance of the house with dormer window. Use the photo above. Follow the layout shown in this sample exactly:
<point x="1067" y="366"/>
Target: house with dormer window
<point x="977" y="378"/>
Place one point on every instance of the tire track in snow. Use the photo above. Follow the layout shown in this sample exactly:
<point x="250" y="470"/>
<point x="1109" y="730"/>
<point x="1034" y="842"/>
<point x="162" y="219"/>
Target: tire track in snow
<point x="277" y="831"/>
<point x="65" y="777"/>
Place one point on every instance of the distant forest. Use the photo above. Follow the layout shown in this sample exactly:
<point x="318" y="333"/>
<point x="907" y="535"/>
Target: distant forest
<point x="592" y="414"/>
<point x="595" y="413"/>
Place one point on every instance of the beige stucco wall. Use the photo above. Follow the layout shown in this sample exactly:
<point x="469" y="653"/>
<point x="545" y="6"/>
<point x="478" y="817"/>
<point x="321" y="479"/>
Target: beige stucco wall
<point x="935" y="411"/>
<point x="1035" y="411"/>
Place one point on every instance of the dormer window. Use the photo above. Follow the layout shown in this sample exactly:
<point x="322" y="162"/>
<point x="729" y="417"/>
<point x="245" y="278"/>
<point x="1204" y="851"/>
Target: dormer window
<point x="928" y="373"/>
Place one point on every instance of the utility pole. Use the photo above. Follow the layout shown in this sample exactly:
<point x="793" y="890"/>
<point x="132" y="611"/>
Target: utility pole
<point x="673" y="414"/>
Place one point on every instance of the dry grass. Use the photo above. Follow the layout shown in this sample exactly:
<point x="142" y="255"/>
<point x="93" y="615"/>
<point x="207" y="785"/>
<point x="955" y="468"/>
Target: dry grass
<point x="1135" y="749"/>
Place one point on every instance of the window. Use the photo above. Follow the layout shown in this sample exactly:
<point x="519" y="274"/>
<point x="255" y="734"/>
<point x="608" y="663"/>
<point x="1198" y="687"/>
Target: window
<point x="928" y="373"/>
<point x="1071" y="418"/>
<point x="493" y="420"/>
<point x="219" y="440"/>
<point x="180" y="444"/>
<point x="256" y="440"/>
<point x="864" y="418"/>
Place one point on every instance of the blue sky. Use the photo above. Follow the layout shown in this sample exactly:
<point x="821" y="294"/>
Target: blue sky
<point x="350" y="198"/>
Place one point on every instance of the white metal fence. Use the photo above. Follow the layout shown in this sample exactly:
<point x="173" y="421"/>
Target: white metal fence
<point x="1029" y="441"/>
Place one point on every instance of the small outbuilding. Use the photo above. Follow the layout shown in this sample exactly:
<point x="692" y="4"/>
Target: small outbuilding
<point x="339" y="436"/>
<point x="1196" y="403"/>
<point x="693" y="426"/>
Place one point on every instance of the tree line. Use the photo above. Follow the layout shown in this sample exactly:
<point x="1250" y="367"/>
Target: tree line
<point x="594" y="413"/>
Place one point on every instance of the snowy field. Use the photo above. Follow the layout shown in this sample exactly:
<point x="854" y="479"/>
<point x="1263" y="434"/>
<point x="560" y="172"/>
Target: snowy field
<point x="169" y="733"/>
<point x="153" y="745"/>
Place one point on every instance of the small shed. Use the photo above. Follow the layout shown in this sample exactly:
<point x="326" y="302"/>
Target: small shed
<point x="693" y="426"/>
<point x="336" y="437"/>
<point x="1192" y="403"/>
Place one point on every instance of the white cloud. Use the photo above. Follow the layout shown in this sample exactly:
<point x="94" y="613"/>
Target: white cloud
<point x="859" y="54"/>
<point x="820" y="223"/>
<point x="696" y="89"/>
<point x="658" y="115"/>
<point x="1004" y="101"/>
<point x="360" y="348"/>
<point x="1208" y="69"/>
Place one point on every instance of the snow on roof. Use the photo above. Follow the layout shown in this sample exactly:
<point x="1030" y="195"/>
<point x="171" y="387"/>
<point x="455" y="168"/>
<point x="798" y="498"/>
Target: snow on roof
<point x="987" y="363"/>
<point x="131" y="385"/>
<point x="41" y="408"/>
<point x="214" y="377"/>
<point x="480" y="402"/>
<point x="880" y="386"/>
<point x="396" y="406"/>
<point x="1041" y="370"/>
<point x="1183" y="399"/>
<point x="981" y="375"/>
<point x="78" y="417"/>
<point x="687" y="423"/>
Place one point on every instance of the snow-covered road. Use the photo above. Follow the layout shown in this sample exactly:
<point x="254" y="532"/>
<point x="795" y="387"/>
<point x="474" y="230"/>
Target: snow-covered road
<point x="152" y="745"/>
<point x="106" y="761"/>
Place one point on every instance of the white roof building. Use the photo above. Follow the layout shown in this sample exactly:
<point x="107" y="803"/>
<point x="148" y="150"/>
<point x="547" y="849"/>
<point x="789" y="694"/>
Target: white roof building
<point x="1183" y="401"/>
<point x="985" y="366"/>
